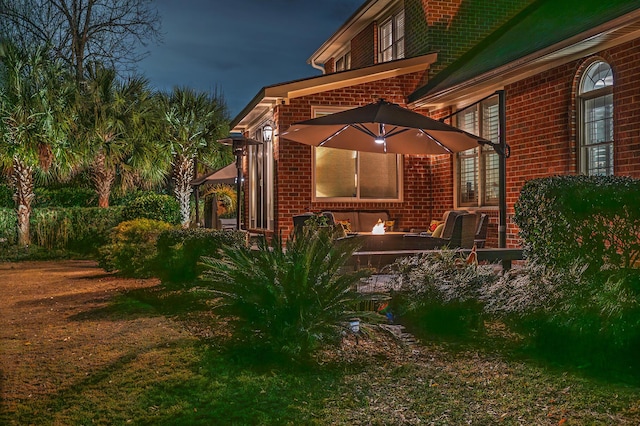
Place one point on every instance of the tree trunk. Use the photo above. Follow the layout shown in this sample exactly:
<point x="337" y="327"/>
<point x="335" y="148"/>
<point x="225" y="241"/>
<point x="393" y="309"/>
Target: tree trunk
<point x="22" y="180"/>
<point x="182" y="177"/>
<point x="103" y="178"/>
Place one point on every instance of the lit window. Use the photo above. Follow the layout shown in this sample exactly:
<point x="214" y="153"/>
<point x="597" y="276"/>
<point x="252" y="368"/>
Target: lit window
<point x="596" y="120"/>
<point x="477" y="168"/>
<point x="345" y="175"/>
<point x="392" y="38"/>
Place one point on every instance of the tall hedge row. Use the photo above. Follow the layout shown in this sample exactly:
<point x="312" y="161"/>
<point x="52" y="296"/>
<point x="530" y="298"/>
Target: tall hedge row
<point x="592" y="218"/>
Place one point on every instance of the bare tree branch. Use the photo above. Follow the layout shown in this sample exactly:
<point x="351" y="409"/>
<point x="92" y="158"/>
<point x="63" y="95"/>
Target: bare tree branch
<point x="111" y="32"/>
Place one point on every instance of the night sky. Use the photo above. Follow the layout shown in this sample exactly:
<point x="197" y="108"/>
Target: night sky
<point x="239" y="46"/>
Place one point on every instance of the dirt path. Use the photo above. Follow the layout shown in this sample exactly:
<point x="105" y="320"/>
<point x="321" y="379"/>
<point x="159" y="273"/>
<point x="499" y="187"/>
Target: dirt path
<point x="52" y="332"/>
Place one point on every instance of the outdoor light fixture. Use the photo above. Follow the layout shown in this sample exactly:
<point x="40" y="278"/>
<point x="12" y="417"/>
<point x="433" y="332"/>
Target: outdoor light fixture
<point x="267" y="133"/>
<point x="380" y="138"/>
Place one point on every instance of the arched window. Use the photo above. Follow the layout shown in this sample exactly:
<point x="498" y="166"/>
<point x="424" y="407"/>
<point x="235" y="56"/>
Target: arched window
<point x="596" y="120"/>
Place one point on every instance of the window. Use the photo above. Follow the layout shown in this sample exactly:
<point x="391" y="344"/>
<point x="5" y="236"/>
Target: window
<point x="343" y="62"/>
<point x="477" y="169"/>
<point x="392" y="38"/>
<point x="260" y="174"/>
<point x="596" y="120"/>
<point x="345" y="175"/>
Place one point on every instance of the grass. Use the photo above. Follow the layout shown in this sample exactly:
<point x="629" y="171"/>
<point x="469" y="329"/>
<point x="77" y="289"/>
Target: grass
<point x="196" y="380"/>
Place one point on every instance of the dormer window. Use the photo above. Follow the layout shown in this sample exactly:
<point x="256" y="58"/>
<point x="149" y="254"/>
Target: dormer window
<point x="392" y="38"/>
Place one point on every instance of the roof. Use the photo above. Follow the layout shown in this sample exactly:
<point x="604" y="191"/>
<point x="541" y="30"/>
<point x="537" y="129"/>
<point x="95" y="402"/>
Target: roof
<point x="545" y="30"/>
<point x="268" y="96"/>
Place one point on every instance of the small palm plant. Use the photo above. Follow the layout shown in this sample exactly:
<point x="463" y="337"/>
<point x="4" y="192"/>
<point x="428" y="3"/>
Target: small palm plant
<point x="288" y="300"/>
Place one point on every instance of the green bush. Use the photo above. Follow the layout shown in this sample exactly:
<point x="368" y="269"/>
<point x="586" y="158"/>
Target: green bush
<point x="440" y="292"/>
<point x="8" y="226"/>
<point x="65" y="197"/>
<point x="82" y="230"/>
<point x="6" y="197"/>
<point x="180" y="250"/>
<point x="568" y="313"/>
<point x="153" y="206"/>
<point x="132" y="248"/>
<point x="287" y="301"/>
<point x="593" y="218"/>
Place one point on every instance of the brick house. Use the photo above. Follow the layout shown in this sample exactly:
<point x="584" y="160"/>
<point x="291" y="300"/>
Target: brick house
<point x="569" y="72"/>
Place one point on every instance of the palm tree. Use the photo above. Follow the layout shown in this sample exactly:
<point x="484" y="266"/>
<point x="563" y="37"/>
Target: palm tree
<point x="34" y="93"/>
<point x="118" y="128"/>
<point x="193" y="122"/>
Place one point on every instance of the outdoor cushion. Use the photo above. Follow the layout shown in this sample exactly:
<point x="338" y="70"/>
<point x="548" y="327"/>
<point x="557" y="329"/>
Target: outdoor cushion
<point x="437" y="233"/>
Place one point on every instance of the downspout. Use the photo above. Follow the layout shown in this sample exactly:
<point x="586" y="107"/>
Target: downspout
<point x="316" y="66"/>
<point x="502" y="171"/>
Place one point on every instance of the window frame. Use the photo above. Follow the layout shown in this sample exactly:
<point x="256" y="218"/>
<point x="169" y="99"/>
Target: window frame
<point x="345" y="60"/>
<point x="583" y="97"/>
<point x="396" y="39"/>
<point x="483" y="156"/>
<point x="318" y="111"/>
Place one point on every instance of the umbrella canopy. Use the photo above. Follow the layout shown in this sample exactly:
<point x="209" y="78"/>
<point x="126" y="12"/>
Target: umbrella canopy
<point x="224" y="175"/>
<point x="382" y="127"/>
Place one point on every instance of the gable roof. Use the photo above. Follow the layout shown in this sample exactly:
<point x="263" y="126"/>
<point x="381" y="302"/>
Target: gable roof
<point x="268" y="96"/>
<point x="545" y="31"/>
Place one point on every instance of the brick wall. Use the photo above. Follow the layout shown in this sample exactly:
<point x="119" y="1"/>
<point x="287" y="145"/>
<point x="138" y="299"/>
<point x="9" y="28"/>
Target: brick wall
<point x="363" y="47"/>
<point x="452" y="27"/>
<point x="294" y="162"/>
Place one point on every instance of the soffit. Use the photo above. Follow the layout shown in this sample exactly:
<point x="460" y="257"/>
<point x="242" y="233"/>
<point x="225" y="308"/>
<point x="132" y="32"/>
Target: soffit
<point x="368" y="12"/>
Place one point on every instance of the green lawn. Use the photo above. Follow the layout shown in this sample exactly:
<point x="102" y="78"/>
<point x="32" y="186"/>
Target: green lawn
<point x="194" y="381"/>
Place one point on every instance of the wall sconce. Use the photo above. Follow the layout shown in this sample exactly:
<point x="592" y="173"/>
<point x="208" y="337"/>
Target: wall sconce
<point x="267" y="133"/>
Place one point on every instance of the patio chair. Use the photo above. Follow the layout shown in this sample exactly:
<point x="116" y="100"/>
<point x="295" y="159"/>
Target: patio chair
<point x="459" y="232"/>
<point x="481" y="231"/>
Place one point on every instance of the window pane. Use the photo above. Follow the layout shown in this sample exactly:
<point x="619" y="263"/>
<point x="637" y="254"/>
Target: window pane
<point x="600" y="160"/>
<point x="335" y="172"/>
<point x="491" y="177"/>
<point x="378" y="175"/>
<point x="598" y="75"/>
<point x="467" y="177"/>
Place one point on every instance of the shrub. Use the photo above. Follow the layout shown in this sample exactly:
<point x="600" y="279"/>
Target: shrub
<point x="440" y="292"/>
<point x="153" y="206"/>
<point x="568" y="313"/>
<point x="6" y="197"/>
<point x="287" y="301"/>
<point x="8" y="226"/>
<point x="594" y="218"/>
<point x="65" y="197"/>
<point x="180" y="250"/>
<point x="82" y="230"/>
<point x="132" y="247"/>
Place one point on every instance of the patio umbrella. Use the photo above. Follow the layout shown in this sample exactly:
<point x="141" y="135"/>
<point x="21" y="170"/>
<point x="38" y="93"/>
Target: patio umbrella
<point x="227" y="175"/>
<point x="382" y="127"/>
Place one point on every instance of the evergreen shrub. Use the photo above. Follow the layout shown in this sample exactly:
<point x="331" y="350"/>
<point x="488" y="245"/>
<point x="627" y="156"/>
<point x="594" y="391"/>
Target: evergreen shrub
<point x="287" y="301"/>
<point x="153" y="206"/>
<point x="180" y="250"/>
<point x="132" y="247"/>
<point x="593" y="218"/>
<point x="440" y="292"/>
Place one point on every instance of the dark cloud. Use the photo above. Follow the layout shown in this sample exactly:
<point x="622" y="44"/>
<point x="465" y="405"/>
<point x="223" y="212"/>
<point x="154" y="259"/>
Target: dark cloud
<point x="239" y="46"/>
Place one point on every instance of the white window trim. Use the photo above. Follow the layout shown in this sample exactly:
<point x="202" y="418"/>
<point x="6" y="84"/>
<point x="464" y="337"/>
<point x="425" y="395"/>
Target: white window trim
<point x="581" y="156"/>
<point x="383" y="21"/>
<point x="481" y="181"/>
